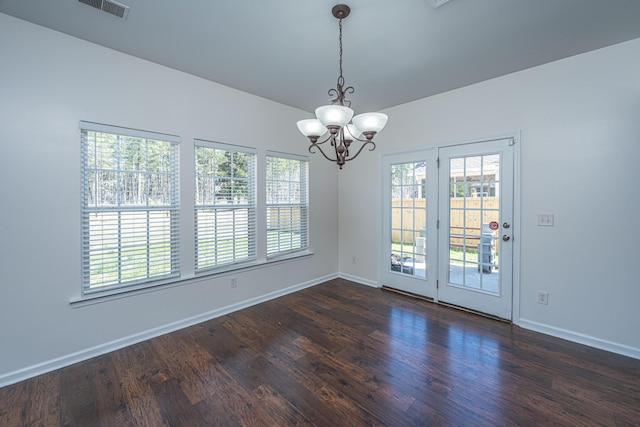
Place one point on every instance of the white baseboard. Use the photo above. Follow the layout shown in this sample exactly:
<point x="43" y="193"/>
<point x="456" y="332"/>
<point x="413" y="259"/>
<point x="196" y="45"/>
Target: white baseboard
<point x="79" y="356"/>
<point x="360" y="280"/>
<point x="580" y="338"/>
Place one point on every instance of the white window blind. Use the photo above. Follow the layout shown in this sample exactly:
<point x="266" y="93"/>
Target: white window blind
<point x="130" y="206"/>
<point x="287" y="204"/>
<point x="225" y="205"/>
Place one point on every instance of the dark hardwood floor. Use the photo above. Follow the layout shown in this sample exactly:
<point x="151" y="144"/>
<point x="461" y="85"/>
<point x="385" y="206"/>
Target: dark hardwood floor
<point x="338" y="354"/>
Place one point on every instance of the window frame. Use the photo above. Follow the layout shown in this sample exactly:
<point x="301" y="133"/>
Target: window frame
<point x="302" y="205"/>
<point x="94" y="242"/>
<point x="232" y="263"/>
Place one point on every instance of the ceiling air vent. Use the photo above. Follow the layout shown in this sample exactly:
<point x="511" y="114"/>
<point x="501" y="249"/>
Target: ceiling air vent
<point x="109" y="6"/>
<point x="438" y="3"/>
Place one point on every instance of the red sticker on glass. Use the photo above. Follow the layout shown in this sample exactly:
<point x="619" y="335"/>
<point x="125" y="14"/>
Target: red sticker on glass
<point x="493" y="225"/>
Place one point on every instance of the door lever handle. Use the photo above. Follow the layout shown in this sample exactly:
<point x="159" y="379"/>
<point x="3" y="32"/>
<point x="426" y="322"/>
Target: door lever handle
<point x="506" y="237"/>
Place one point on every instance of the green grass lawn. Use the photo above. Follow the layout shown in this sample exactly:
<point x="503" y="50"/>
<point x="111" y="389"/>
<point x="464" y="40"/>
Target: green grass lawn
<point x="456" y="255"/>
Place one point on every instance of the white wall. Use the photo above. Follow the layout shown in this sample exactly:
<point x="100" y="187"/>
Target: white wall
<point x="49" y="82"/>
<point x="580" y="149"/>
<point x="580" y="152"/>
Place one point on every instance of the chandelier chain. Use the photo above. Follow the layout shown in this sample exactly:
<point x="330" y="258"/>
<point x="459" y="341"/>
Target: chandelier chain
<point x="340" y="78"/>
<point x="340" y="91"/>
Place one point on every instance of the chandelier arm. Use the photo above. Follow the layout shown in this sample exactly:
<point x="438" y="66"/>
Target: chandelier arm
<point x="322" y="142"/>
<point x="315" y="145"/>
<point x="363" y="140"/>
<point x="362" y="148"/>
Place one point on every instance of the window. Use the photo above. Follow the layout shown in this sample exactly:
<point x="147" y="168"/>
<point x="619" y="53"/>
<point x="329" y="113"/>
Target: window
<point x="287" y="204"/>
<point x="225" y="205"/>
<point x="130" y="203"/>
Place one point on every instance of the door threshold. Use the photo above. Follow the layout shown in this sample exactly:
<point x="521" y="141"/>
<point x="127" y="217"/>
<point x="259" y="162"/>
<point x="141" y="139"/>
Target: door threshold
<point x="444" y="304"/>
<point x="409" y="294"/>
<point x="469" y="310"/>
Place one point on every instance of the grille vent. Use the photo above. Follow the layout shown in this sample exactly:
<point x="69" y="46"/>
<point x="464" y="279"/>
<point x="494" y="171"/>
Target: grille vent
<point x="109" y="6"/>
<point x="438" y="3"/>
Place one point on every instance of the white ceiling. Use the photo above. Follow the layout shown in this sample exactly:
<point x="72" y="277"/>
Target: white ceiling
<point x="395" y="51"/>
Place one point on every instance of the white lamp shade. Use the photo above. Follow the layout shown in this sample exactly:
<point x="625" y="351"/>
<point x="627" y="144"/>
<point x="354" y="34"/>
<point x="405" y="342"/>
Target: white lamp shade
<point x="370" y="122"/>
<point x="352" y="132"/>
<point x="311" y="127"/>
<point x="334" y="115"/>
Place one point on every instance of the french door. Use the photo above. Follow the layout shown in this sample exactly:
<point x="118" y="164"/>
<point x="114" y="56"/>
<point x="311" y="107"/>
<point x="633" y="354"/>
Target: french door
<point x="476" y="223"/>
<point x="448" y="221"/>
<point x="409" y="247"/>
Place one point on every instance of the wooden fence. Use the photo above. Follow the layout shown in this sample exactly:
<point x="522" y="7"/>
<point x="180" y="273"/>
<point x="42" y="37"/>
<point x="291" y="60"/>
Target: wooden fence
<point x="409" y="214"/>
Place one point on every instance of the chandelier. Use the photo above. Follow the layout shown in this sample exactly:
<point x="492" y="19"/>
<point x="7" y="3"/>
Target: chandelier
<point x="334" y="119"/>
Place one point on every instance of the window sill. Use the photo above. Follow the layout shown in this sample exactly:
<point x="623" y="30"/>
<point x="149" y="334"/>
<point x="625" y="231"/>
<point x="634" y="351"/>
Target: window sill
<point x="116" y="294"/>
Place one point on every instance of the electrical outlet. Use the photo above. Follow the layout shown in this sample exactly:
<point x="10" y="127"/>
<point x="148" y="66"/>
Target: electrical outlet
<point x="545" y="219"/>
<point x="543" y="297"/>
<point x="234" y="282"/>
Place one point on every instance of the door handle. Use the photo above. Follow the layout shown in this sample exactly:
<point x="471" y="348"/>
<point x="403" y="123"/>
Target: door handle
<point x="506" y="237"/>
<point x="506" y="225"/>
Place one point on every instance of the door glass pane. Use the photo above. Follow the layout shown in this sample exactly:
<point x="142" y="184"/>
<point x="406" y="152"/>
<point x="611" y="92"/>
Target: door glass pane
<point x="408" y="219"/>
<point x="474" y="214"/>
